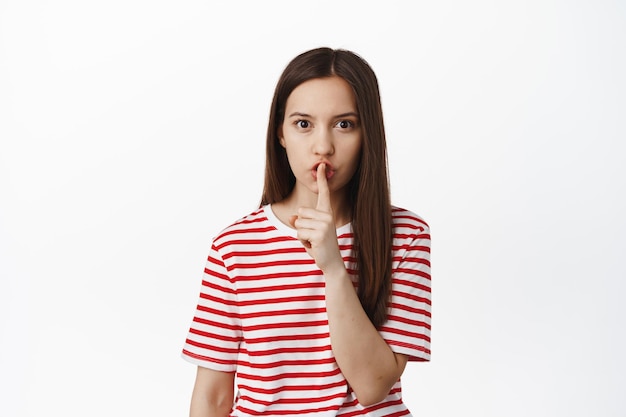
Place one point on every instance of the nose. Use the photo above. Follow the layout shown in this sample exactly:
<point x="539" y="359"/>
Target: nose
<point x="323" y="142"/>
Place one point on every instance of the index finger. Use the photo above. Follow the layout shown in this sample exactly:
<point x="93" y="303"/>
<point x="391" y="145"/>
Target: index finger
<point x="323" y="193"/>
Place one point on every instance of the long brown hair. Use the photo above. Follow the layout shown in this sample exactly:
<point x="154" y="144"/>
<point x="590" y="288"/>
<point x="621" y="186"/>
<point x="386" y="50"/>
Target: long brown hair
<point x="368" y="191"/>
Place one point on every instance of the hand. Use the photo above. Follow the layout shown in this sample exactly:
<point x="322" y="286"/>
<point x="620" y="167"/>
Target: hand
<point x="316" y="227"/>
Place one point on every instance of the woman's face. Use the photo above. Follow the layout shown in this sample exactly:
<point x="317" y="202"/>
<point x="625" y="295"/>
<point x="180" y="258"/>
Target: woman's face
<point x="322" y="125"/>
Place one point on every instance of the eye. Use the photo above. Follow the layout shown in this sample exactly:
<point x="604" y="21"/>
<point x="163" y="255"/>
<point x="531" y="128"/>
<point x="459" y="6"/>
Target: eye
<point x="303" y="124"/>
<point x="345" y="124"/>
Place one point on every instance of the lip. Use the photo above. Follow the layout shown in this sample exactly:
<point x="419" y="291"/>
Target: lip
<point x="330" y="171"/>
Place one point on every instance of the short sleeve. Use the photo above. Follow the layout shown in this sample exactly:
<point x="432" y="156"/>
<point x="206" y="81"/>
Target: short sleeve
<point x="215" y="332"/>
<point x="407" y="329"/>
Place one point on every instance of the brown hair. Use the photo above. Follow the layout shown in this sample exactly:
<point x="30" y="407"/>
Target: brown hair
<point x="368" y="191"/>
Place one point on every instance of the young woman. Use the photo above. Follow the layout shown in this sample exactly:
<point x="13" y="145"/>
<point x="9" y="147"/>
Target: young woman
<point x="313" y="304"/>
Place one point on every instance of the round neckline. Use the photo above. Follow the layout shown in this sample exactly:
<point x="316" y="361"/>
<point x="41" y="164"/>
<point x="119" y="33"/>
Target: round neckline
<point x="289" y="231"/>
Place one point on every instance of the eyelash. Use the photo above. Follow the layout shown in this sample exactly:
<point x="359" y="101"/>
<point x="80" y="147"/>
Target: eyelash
<point x="350" y="124"/>
<point x="299" y="122"/>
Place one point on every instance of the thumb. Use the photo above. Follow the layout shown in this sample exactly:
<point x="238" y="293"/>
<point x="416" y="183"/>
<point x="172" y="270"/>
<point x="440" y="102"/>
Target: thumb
<point x="292" y="220"/>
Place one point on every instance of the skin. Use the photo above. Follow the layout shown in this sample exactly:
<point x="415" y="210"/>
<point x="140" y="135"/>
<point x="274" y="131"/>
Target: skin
<point x="213" y="393"/>
<point x="321" y="125"/>
<point x="322" y="137"/>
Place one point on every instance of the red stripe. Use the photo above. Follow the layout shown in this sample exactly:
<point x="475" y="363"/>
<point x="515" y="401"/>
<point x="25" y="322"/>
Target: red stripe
<point x="265" y="252"/>
<point x="411" y="347"/>
<point x="255" y="241"/>
<point x="409" y="321"/>
<point x="281" y="300"/>
<point x="214" y="260"/>
<point x="213" y="286"/>
<point x="394" y="215"/>
<point x="295" y="311"/>
<point x="272" y="263"/>
<point x="216" y="324"/>
<point x="265" y="301"/>
<point x="355" y="402"/>
<point x="310" y="387"/>
<point x="242" y="231"/>
<point x="219" y="300"/>
<point x="411" y="248"/>
<point x="412" y="297"/>
<point x="308" y="349"/>
<point x="214" y="335"/>
<point x="214" y="348"/>
<point x="295" y="325"/>
<point x="302" y="362"/>
<point x="415" y="272"/>
<point x="284" y="287"/>
<point x="278" y="275"/>
<point x="413" y="236"/>
<point x="284" y="338"/>
<point x="376" y="407"/>
<point x="207" y="358"/>
<point x="217" y="312"/>
<point x="287" y="412"/>
<point x="305" y="400"/>
<point x="289" y="375"/>
<point x="413" y="284"/>
<point x="268" y="313"/>
<point x="408" y="226"/>
<point x="405" y="333"/>
<point x="410" y="309"/>
<point x="423" y="261"/>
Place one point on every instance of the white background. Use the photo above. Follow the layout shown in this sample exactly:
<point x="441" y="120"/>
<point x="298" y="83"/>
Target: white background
<point x="133" y="131"/>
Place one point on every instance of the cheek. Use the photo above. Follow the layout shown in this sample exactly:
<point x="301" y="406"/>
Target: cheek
<point x="354" y="150"/>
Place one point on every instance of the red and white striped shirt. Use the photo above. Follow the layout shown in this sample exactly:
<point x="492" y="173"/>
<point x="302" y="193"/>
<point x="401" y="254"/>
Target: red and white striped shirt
<point x="261" y="313"/>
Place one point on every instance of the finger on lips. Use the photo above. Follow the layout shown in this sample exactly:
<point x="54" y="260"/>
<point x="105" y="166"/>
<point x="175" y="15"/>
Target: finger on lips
<point x="323" y="193"/>
<point x="307" y="218"/>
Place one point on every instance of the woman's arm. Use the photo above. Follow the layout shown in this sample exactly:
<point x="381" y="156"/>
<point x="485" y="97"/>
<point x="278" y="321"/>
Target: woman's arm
<point x="213" y="393"/>
<point x="365" y="359"/>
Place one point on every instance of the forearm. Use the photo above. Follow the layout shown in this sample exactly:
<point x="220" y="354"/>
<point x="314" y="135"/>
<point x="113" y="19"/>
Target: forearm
<point x="202" y="407"/>
<point x="365" y="359"/>
<point x="212" y="395"/>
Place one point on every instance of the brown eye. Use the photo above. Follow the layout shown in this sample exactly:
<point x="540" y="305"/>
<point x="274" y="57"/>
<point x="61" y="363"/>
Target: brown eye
<point x="302" y="124"/>
<point x="345" y="124"/>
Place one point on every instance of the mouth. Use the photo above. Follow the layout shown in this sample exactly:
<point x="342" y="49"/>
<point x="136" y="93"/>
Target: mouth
<point x="329" y="170"/>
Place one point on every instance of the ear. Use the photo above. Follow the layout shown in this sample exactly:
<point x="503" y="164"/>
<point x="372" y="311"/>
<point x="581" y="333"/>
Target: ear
<point x="281" y="139"/>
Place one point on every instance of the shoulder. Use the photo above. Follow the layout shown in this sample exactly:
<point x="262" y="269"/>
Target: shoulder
<point x="411" y="234"/>
<point x="249" y="225"/>
<point x="407" y="222"/>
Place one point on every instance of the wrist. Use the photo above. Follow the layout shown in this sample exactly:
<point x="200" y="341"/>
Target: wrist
<point x="335" y="271"/>
<point x="338" y="277"/>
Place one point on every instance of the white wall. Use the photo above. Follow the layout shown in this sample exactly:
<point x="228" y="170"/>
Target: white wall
<point x="132" y="131"/>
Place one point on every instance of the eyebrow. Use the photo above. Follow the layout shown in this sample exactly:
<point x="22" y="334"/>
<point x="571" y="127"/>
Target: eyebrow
<point x="353" y="114"/>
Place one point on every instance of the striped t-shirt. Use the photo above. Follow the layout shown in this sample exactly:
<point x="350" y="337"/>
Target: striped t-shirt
<point x="261" y="313"/>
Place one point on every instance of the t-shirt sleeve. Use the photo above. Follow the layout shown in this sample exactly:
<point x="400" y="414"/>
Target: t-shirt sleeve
<point x="407" y="329"/>
<point x="215" y="333"/>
